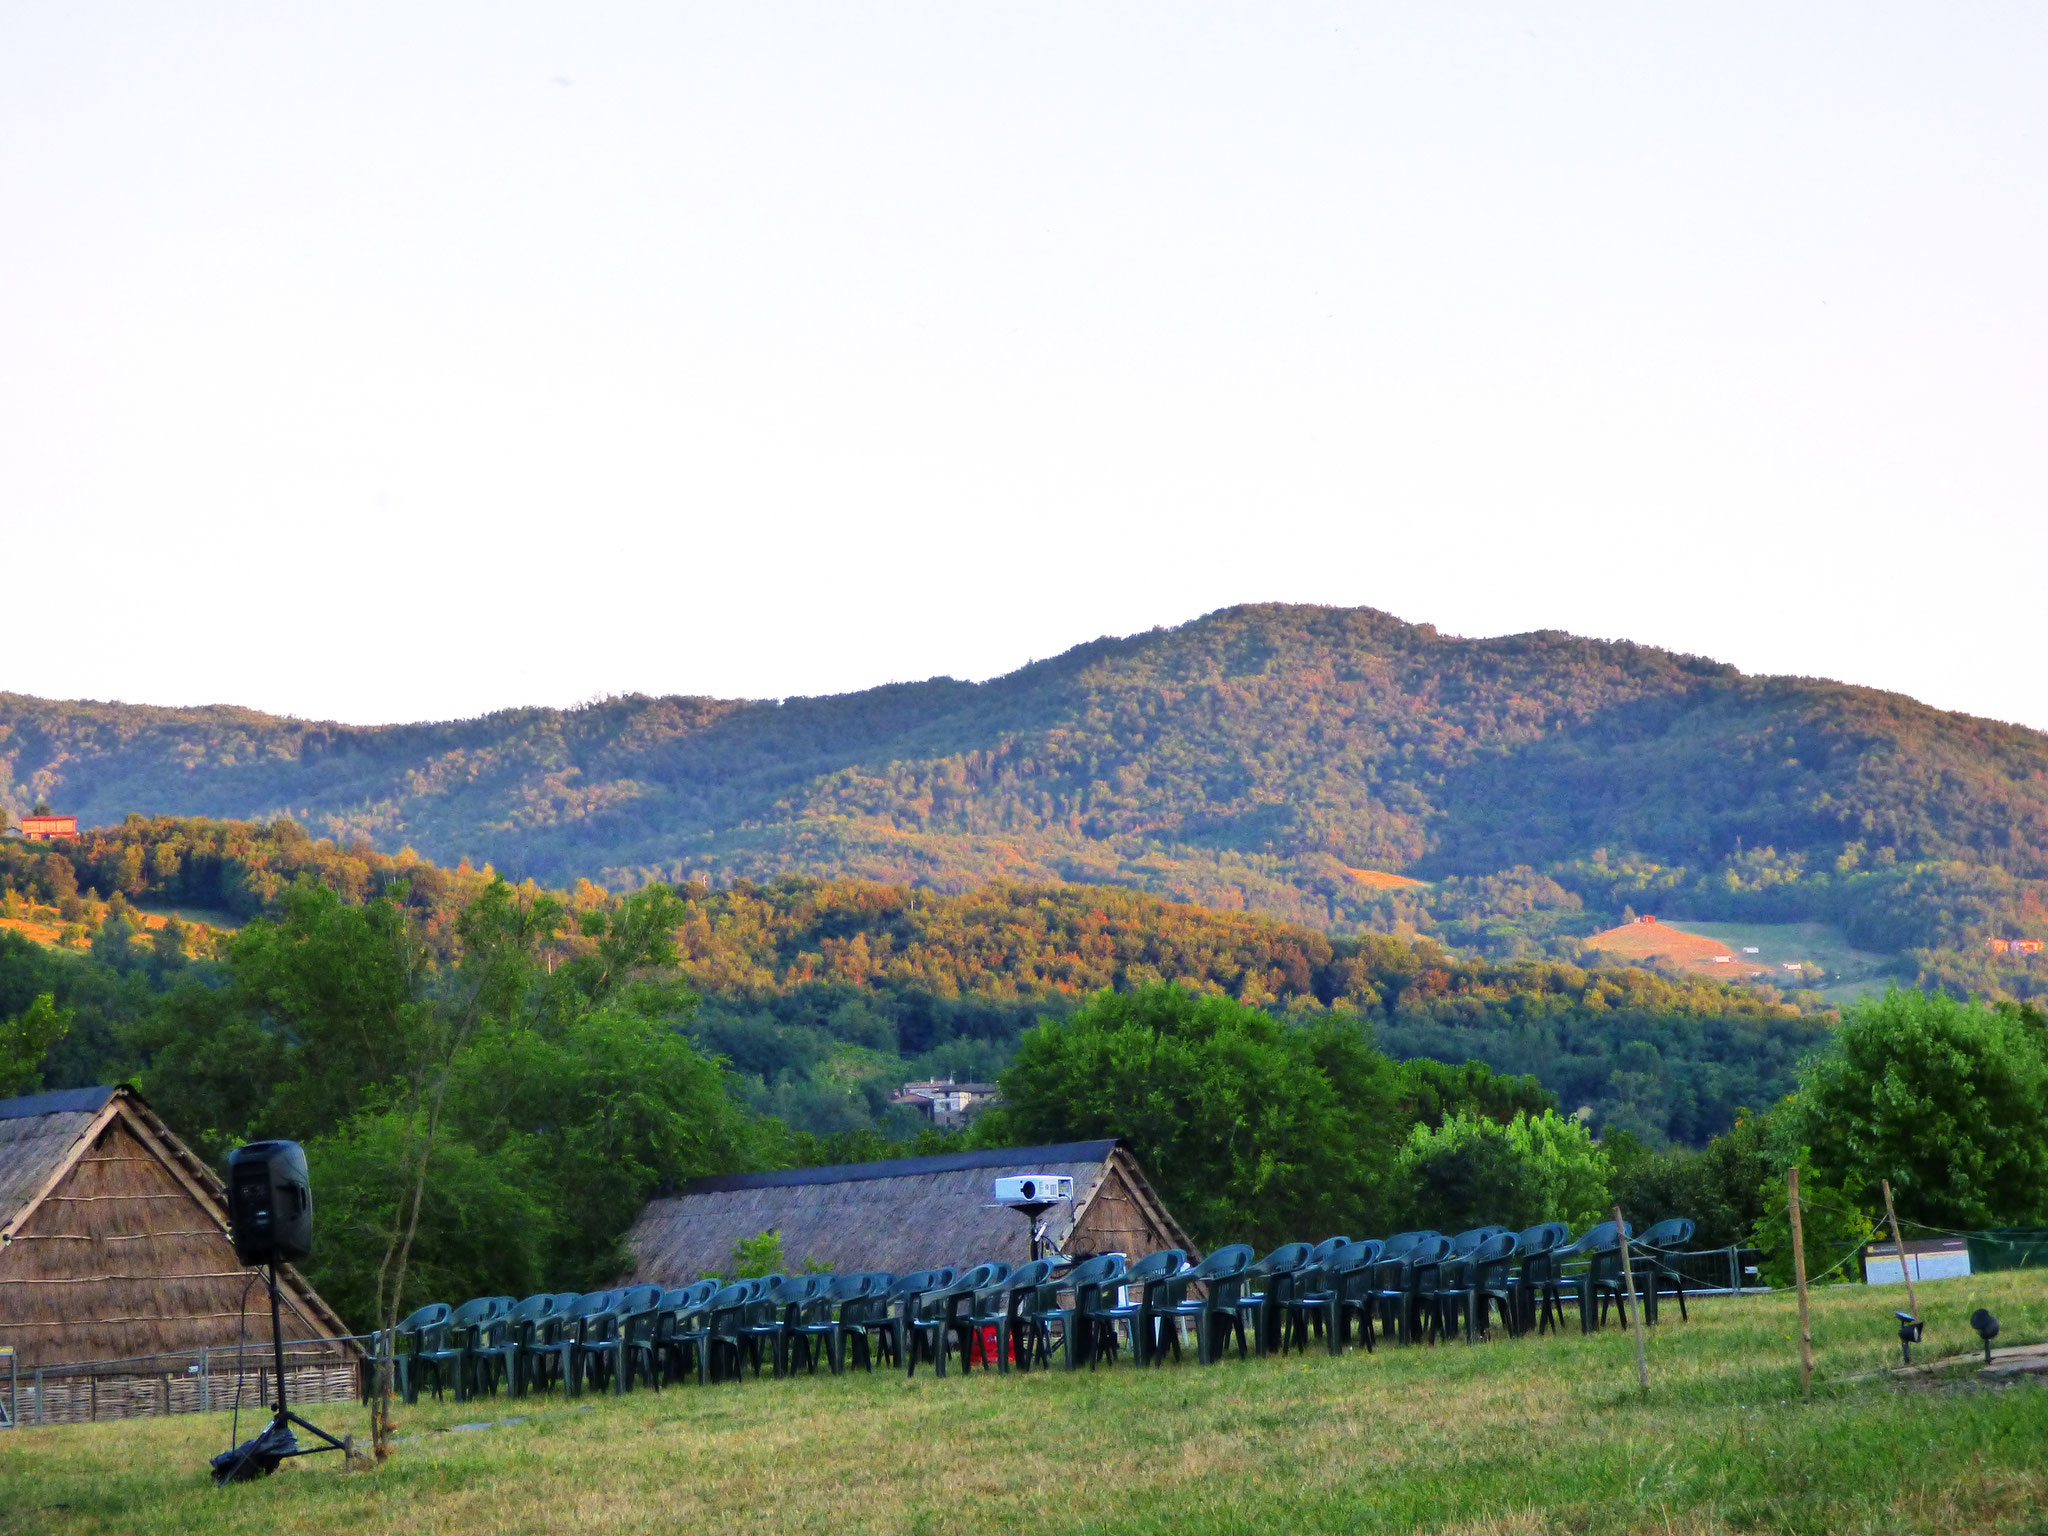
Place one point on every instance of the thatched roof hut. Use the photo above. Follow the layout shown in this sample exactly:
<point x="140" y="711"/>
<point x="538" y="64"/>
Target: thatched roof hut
<point x="905" y="1214"/>
<point x="114" y="1239"/>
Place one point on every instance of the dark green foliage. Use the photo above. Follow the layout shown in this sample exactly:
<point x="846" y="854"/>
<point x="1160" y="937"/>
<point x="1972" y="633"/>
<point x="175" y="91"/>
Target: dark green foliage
<point x="1432" y="1090"/>
<point x="1475" y="1181"/>
<point x="1946" y="1100"/>
<point x="1720" y="1186"/>
<point x="1254" y="1130"/>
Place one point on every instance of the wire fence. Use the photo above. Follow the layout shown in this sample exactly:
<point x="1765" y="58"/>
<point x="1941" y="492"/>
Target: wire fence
<point x="325" y="1370"/>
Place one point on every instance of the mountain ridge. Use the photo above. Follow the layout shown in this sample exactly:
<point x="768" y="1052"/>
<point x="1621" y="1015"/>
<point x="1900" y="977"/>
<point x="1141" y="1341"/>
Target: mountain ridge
<point x="1251" y="757"/>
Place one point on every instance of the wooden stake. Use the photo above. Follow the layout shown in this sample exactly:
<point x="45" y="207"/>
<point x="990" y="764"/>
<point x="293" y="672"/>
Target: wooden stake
<point x="1628" y="1280"/>
<point x="1799" y="1274"/>
<point x="1912" y="1303"/>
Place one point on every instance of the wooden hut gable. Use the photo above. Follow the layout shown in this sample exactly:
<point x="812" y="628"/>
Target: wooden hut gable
<point x="114" y="1241"/>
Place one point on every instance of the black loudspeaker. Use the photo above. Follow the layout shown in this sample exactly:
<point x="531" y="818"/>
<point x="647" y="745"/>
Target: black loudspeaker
<point x="270" y="1202"/>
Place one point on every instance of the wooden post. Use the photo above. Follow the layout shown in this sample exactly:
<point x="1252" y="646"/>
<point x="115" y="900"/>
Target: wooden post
<point x="1799" y="1275"/>
<point x="1628" y="1280"/>
<point x="1912" y="1302"/>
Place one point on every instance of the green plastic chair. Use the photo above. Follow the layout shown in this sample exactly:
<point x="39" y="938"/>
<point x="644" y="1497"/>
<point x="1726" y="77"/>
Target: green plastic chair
<point x="505" y="1341"/>
<point x="450" y="1358"/>
<point x="1214" y="1312"/>
<point x="1268" y="1285"/>
<point x="865" y="1322"/>
<point x="1082" y="1324"/>
<point x="1319" y="1298"/>
<point x="1536" y="1274"/>
<point x="1149" y="1278"/>
<point x="938" y="1317"/>
<point x="819" y="1324"/>
<point x="1398" y="1276"/>
<point x="605" y="1354"/>
<point x="963" y="1300"/>
<point x="1600" y="1282"/>
<point x="416" y="1335"/>
<point x="903" y="1303"/>
<point x="555" y="1356"/>
<point x="672" y="1353"/>
<point x="1655" y="1254"/>
<point x="1018" y="1307"/>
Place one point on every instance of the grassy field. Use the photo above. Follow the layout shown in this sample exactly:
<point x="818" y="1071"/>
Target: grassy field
<point x="1851" y="972"/>
<point x="1532" y="1435"/>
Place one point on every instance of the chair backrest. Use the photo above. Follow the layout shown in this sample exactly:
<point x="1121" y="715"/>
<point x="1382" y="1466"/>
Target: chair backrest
<point x="517" y="1323"/>
<point x="1223" y="1264"/>
<point x="426" y="1326"/>
<point x="1353" y="1257"/>
<point x="1098" y="1271"/>
<point x="1284" y="1260"/>
<point x="1487" y="1264"/>
<point x="1426" y="1257"/>
<point x="1154" y="1267"/>
<point x="799" y="1290"/>
<point x="728" y="1305"/>
<point x="638" y="1298"/>
<point x="1539" y="1241"/>
<point x="474" y="1313"/>
<point x="983" y="1277"/>
<point x="1671" y="1232"/>
<point x="849" y="1287"/>
<point x="1398" y="1245"/>
<point x="1326" y="1247"/>
<point x="918" y="1281"/>
<point x="1466" y="1242"/>
<point x="1029" y="1277"/>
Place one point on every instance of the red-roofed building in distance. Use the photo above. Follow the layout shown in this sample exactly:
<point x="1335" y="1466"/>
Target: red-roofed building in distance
<point x="47" y="829"/>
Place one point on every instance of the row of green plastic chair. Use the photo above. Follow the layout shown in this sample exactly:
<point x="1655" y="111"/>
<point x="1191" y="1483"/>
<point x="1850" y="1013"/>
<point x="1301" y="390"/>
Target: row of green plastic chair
<point x="1421" y="1285"/>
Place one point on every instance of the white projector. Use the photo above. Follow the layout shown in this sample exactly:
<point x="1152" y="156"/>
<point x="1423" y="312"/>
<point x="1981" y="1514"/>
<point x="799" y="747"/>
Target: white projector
<point x="1034" y="1189"/>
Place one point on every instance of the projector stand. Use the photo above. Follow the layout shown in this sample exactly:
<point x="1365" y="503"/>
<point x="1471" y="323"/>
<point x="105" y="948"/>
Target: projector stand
<point x="275" y="1444"/>
<point x="1032" y="1212"/>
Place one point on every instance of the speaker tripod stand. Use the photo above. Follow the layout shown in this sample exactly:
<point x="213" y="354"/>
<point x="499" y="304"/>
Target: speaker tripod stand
<point x="261" y="1455"/>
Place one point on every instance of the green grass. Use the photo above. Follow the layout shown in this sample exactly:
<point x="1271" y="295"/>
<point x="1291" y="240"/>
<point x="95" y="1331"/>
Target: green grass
<point x="1851" y="972"/>
<point x="1533" y="1435"/>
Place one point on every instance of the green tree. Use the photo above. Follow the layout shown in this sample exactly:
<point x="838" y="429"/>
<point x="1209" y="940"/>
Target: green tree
<point x="1464" y="1173"/>
<point x="25" y="1041"/>
<point x="1947" y="1100"/>
<point x="1255" y="1130"/>
<point x="1567" y="1170"/>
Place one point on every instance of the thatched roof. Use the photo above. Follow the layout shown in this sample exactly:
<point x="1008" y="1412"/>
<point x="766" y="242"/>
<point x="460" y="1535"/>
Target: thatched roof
<point x="114" y="1238"/>
<point x="899" y="1215"/>
<point x="37" y="1135"/>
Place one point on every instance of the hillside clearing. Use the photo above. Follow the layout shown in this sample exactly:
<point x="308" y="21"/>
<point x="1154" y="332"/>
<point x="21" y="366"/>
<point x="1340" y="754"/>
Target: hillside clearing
<point x="1532" y="1435"/>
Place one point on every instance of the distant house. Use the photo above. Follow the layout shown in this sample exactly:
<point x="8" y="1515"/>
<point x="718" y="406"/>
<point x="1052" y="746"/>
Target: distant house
<point x="904" y="1214"/>
<point x="948" y="1104"/>
<point x="1646" y="918"/>
<point x="2026" y="946"/>
<point x="1751" y="949"/>
<point x="47" y="829"/>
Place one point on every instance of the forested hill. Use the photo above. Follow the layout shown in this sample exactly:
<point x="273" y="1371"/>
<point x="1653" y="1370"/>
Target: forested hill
<point x="825" y="996"/>
<point x="1261" y="756"/>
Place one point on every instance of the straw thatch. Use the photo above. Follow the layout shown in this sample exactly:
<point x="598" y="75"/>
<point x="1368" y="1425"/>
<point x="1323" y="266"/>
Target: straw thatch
<point x="113" y="1239"/>
<point x="903" y="1215"/>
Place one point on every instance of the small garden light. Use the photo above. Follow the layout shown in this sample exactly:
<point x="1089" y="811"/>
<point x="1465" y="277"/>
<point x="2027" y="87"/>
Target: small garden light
<point x="1987" y="1330"/>
<point x="1909" y="1333"/>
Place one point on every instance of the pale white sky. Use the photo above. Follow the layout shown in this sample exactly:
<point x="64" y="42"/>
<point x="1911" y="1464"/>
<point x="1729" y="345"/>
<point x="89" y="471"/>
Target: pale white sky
<point x="391" y="362"/>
